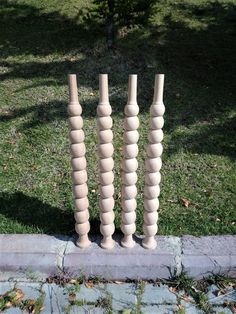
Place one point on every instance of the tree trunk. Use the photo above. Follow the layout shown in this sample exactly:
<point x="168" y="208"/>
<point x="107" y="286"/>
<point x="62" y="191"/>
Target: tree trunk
<point x="110" y="24"/>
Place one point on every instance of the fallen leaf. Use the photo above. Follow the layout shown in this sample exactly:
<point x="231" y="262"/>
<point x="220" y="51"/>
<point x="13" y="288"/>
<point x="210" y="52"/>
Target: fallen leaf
<point x="8" y="304"/>
<point x="173" y="290"/>
<point x="11" y="142"/>
<point x="226" y="303"/>
<point x="185" y="202"/>
<point x="180" y="306"/>
<point x="226" y="285"/>
<point x="72" y="296"/>
<point x="19" y="295"/>
<point x="186" y="298"/>
<point x="31" y="302"/>
<point x="31" y="305"/>
<point x="89" y="284"/>
<point x="49" y="280"/>
<point x="221" y="292"/>
<point x="32" y="309"/>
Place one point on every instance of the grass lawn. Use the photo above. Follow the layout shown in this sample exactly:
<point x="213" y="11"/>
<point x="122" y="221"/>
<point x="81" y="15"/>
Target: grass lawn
<point x="192" y="42"/>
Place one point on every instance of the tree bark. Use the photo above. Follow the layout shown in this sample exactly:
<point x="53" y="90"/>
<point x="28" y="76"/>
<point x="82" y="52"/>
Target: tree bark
<point x="110" y="24"/>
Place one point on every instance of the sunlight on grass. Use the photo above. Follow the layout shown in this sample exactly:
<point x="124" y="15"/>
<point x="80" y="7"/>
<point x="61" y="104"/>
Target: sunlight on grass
<point x="191" y="42"/>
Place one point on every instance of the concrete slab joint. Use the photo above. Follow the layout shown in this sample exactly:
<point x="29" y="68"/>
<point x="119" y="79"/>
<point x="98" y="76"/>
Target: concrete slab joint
<point x="209" y="255"/>
<point x="36" y="257"/>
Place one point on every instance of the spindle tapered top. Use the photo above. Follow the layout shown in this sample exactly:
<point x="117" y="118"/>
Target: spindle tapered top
<point x="103" y="88"/>
<point x="158" y="88"/>
<point x="132" y="88"/>
<point x="73" y="91"/>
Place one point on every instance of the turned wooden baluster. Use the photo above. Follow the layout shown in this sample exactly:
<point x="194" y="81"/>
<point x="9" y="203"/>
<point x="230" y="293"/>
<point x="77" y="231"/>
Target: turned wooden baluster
<point x="153" y="165"/>
<point x="130" y="165"/>
<point x="106" y="164"/>
<point x="78" y="163"/>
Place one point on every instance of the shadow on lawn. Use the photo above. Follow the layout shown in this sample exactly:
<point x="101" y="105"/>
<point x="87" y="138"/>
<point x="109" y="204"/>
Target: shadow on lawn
<point x="210" y="138"/>
<point x="196" y="51"/>
<point x="30" y="211"/>
<point x="55" y="110"/>
<point x="216" y="139"/>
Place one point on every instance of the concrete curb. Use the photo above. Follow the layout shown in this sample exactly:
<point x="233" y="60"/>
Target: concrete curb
<point x="35" y="257"/>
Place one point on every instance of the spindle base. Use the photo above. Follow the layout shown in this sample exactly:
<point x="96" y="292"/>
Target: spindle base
<point x="83" y="242"/>
<point x="107" y="243"/>
<point x="149" y="243"/>
<point x="128" y="241"/>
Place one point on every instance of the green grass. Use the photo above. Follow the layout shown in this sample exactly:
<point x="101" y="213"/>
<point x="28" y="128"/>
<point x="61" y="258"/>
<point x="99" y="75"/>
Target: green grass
<point x="192" y="42"/>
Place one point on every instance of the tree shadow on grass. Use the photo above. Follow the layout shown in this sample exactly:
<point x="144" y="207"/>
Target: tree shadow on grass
<point x="55" y="110"/>
<point x="32" y="212"/>
<point x="216" y="139"/>
<point x="196" y="51"/>
<point x="41" y="32"/>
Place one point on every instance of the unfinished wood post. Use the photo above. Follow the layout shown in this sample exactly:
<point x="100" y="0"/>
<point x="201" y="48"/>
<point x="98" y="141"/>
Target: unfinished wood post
<point x="78" y="162"/>
<point x="130" y="165"/>
<point x="153" y="165"/>
<point x="106" y="164"/>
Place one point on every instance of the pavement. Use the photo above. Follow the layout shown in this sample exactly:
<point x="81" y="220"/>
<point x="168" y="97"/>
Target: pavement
<point x="116" y="298"/>
<point x="42" y="274"/>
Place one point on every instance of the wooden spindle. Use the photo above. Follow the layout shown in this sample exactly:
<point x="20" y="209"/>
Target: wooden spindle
<point x="130" y="165"/>
<point x="106" y="164"/>
<point x="78" y="163"/>
<point x="153" y="165"/>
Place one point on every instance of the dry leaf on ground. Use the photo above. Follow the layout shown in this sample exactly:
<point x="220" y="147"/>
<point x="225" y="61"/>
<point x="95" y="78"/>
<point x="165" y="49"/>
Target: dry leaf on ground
<point x="185" y="202"/>
<point x="89" y="284"/>
<point x="19" y="295"/>
<point x="226" y="303"/>
<point x="72" y="297"/>
<point x="173" y="290"/>
<point x="186" y="298"/>
<point x="119" y="282"/>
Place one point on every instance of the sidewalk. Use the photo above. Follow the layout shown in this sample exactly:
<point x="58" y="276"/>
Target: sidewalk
<point x="47" y="274"/>
<point x="117" y="298"/>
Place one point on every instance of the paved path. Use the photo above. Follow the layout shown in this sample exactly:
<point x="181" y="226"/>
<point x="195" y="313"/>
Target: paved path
<point x="115" y="298"/>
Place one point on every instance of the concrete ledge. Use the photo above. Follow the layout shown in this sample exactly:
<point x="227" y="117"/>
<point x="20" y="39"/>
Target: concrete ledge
<point x="205" y="256"/>
<point x="31" y="255"/>
<point x="39" y="256"/>
<point x="121" y="263"/>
